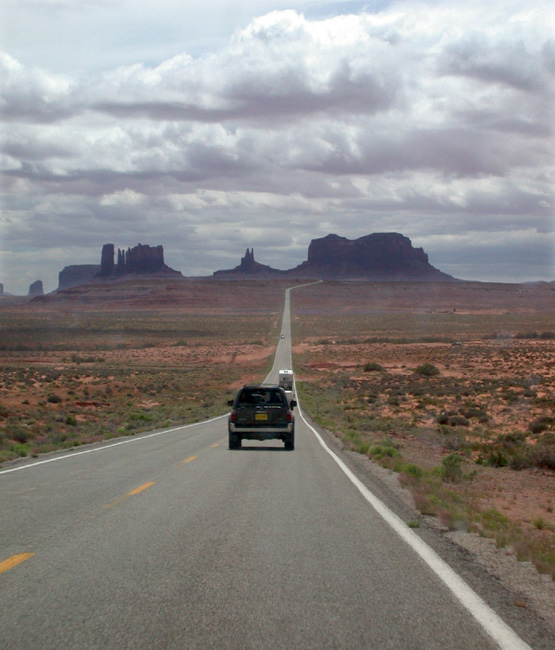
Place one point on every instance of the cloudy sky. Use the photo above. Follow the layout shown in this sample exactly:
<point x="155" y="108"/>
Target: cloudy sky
<point x="212" y="127"/>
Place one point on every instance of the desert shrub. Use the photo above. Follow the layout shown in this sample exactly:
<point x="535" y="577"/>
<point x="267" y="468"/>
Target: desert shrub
<point x="541" y="424"/>
<point x="511" y="440"/>
<point x="519" y="461"/>
<point x="547" y="335"/>
<point x="385" y="448"/>
<point x="543" y="456"/>
<point x="540" y="523"/>
<point x="458" y="421"/>
<point x="412" y="470"/>
<point x="510" y="396"/>
<point x="380" y="451"/>
<point x="21" y="449"/>
<point x="451" y="468"/>
<point x="17" y="432"/>
<point x="363" y="447"/>
<point x="493" y="520"/>
<point x="54" y="399"/>
<point x="136" y="416"/>
<point x="373" y="367"/>
<point x="527" y="335"/>
<point x="442" y="418"/>
<point x="71" y="421"/>
<point x="427" y="370"/>
<point x="476" y="413"/>
<point x="497" y="459"/>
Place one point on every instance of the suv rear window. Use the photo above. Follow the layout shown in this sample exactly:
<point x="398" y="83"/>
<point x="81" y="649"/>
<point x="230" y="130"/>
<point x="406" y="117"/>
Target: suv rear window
<point x="261" y="396"/>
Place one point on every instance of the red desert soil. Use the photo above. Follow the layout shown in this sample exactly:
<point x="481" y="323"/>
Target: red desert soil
<point x="339" y="326"/>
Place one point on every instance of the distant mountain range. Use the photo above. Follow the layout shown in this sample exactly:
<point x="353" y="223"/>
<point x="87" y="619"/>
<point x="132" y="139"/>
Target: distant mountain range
<point x="380" y="256"/>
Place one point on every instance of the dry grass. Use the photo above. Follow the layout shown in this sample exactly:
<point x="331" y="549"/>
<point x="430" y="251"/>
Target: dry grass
<point x="452" y="386"/>
<point x="458" y="399"/>
<point x="85" y="368"/>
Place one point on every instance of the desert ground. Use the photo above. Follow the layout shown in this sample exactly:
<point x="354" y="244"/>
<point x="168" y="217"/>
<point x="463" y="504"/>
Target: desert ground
<point x="88" y="364"/>
<point x="450" y="386"/>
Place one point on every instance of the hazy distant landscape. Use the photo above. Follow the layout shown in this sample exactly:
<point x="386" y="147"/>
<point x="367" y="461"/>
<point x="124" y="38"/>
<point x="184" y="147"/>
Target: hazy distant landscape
<point x="451" y="386"/>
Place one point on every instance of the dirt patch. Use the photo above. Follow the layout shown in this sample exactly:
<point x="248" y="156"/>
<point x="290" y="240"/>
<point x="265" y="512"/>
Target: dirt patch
<point x="463" y="375"/>
<point x="86" y="365"/>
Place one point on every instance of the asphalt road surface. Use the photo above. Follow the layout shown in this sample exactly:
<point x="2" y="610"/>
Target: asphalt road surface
<point x="170" y="540"/>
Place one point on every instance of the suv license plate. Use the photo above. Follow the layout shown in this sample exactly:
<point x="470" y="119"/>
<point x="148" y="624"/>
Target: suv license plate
<point x="260" y="417"/>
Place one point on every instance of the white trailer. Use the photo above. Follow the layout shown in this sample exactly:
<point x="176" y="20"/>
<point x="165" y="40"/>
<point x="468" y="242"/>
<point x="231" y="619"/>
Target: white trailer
<point x="286" y="379"/>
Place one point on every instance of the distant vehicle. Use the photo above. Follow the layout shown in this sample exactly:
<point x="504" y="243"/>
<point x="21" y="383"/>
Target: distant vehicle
<point x="286" y="379"/>
<point x="261" y="412"/>
<point x="282" y="336"/>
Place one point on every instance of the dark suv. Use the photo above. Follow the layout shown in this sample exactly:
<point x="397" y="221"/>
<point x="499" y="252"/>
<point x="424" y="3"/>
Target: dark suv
<point x="261" y="412"/>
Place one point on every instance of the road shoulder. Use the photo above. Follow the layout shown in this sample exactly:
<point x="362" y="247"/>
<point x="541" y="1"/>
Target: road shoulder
<point x="524" y="598"/>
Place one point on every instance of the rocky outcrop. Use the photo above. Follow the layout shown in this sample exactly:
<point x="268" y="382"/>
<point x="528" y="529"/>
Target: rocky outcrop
<point x="380" y="256"/>
<point x="141" y="259"/>
<point x="77" y="274"/>
<point x="107" y="260"/>
<point x="36" y="289"/>
<point x="1" y="289"/>
<point x="249" y="267"/>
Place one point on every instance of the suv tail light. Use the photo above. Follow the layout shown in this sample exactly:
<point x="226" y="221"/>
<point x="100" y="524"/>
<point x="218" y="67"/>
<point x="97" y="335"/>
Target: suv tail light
<point x="232" y="416"/>
<point x="289" y="416"/>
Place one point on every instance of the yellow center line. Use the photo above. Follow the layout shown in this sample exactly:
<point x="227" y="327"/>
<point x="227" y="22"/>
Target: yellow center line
<point x="140" y="489"/>
<point x="187" y="460"/>
<point x="13" y="561"/>
<point x="129" y="494"/>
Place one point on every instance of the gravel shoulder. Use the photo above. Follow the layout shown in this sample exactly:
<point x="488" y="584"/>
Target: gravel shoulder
<point x="524" y="598"/>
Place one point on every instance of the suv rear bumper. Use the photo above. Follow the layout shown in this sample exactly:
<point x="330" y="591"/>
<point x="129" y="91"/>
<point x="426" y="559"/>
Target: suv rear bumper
<point x="261" y="433"/>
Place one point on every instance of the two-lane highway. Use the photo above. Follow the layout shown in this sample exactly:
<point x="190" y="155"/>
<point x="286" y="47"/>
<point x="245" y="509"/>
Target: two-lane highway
<point x="170" y="540"/>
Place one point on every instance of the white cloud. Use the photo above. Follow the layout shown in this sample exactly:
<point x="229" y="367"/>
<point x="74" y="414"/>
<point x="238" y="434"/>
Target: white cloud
<point x="424" y="118"/>
<point x="125" y="198"/>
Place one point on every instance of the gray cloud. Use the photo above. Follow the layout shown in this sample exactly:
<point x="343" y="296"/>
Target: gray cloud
<point x="515" y="64"/>
<point x="401" y="120"/>
<point x="35" y="96"/>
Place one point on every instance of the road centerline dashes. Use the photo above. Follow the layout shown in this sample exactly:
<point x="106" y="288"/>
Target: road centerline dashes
<point x="13" y="561"/>
<point x="134" y="492"/>
<point x="187" y="460"/>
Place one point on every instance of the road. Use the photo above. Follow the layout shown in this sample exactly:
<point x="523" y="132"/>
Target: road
<point x="170" y="540"/>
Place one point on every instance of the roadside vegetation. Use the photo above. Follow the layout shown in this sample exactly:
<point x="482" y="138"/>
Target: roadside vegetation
<point x="459" y="402"/>
<point x="69" y="380"/>
<point x="462" y="407"/>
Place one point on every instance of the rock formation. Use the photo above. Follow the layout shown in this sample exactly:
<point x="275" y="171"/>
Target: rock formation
<point x="249" y="267"/>
<point x="107" y="260"/>
<point x="77" y="274"/>
<point x="380" y="256"/>
<point x="142" y="259"/>
<point x="1" y="289"/>
<point x="36" y="289"/>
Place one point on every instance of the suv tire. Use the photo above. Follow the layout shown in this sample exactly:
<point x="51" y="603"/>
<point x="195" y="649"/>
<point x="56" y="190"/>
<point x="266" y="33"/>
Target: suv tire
<point x="290" y="441"/>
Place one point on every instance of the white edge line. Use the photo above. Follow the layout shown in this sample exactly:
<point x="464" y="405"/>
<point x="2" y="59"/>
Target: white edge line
<point x="109" y="446"/>
<point x="122" y="442"/>
<point x="488" y="619"/>
<point x="480" y="610"/>
<point x="493" y="624"/>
